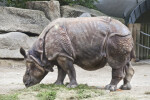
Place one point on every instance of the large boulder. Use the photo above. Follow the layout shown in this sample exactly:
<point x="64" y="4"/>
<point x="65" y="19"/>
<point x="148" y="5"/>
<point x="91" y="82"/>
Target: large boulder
<point x="1" y="4"/>
<point x="10" y="44"/>
<point x="22" y="20"/>
<point x="50" y="8"/>
<point x="80" y="11"/>
<point x="85" y="15"/>
<point x="77" y="10"/>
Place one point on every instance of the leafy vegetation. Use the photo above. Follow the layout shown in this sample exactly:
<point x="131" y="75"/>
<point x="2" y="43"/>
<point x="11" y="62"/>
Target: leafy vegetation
<point x="9" y="97"/>
<point x="15" y="3"/>
<point x="86" y="3"/>
<point x="83" y="91"/>
<point x="47" y="95"/>
<point x="21" y="3"/>
<point x="52" y="92"/>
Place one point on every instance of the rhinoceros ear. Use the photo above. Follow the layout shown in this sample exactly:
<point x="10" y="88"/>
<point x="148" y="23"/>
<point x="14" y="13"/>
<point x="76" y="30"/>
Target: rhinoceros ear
<point x="23" y="52"/>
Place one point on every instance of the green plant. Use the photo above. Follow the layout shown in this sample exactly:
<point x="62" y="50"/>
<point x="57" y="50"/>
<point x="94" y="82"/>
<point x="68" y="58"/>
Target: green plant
<point x="47" y="95"/>
<point x="22" y="3"/>
<point x="86" y="3"/>
<point x="15" y="3"/>
<point x="9" y="97"/>
<point x="82" y="94"/>
<point x="52" y="92"/>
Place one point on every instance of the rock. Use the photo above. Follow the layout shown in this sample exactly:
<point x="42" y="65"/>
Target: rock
<point x="1" y="4"/>
<point x="85" y="15"/>
<point x="10" y="44"/>
<point x="50" y="8"/>
<point x="77" y="10"/>
<point x="22" y="20"/>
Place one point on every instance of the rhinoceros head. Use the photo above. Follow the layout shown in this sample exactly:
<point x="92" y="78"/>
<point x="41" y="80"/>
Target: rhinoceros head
<point x="34" y="72"/>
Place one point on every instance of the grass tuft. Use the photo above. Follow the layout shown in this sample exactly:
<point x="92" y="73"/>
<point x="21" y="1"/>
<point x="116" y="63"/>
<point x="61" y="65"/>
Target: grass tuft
<point x="52" y="92"/>
<point x="9" y="97"/>
<point x="47" y="95"/>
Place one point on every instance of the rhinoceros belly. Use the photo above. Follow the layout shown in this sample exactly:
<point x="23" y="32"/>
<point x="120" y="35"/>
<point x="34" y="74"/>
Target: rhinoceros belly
<point x="90" y="57"/>
<point x="91" y="64"/>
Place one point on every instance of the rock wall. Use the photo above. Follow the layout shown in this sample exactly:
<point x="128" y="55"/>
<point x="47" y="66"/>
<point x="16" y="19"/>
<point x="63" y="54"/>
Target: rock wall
<point x="77" y="10"/>
<point x="50" y="8"/>
<point x="10" y="44"/>
<point x="20" y="27"/>
<point x="22" y="20"/>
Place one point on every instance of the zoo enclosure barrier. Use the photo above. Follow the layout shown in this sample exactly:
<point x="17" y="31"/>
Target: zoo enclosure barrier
<point x="141" y="37"/>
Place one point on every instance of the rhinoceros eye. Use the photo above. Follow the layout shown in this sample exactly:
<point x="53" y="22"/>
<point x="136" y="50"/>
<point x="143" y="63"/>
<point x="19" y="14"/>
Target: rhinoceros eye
<point x="28" y="64"/>
<point x="29" y="61"/>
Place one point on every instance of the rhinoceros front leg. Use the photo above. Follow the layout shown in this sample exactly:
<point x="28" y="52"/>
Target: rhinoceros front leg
<point x="129" y="74"/>
<point x="117" y="75"/>
<point x="61" y="76"/>
<point x="67" y="65"/>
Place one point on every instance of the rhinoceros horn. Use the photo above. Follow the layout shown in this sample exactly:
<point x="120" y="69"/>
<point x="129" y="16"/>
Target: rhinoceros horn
<point x="49" y="69"/>
<point x="36" y="60"/>
<point x="32" y="57"/>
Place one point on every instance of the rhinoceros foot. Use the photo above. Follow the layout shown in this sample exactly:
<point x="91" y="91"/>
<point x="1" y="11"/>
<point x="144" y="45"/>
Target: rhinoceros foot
<point x="111" y="87"/>
<point x="58" y="83"/>
<point x="126" y="86"/>
<point x="72" y="85"/>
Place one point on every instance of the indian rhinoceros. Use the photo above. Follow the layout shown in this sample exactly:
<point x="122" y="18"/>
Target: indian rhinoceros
<point x="87" y="42"/>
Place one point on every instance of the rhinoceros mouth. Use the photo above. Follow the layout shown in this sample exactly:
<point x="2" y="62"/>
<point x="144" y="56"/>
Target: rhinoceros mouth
<point x="29" y="84"/>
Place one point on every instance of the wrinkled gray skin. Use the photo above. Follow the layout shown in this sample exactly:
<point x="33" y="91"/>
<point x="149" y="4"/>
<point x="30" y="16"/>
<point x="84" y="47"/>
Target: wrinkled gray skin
<point x="87" y="42"/>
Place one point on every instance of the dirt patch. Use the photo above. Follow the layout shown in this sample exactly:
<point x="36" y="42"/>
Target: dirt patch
<point x="11" y="73"/>
<point x="53" y="92"/>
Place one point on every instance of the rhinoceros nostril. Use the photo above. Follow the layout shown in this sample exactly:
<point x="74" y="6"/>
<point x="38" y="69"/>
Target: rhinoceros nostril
<point x="27" y="84"/>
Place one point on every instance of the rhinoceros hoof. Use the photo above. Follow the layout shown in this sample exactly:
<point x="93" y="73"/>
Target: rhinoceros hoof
<point x="126" y="86"/>
<point x="72" y="85"/>
<point x="111" y="87"/>
<point x="58" y="83"/>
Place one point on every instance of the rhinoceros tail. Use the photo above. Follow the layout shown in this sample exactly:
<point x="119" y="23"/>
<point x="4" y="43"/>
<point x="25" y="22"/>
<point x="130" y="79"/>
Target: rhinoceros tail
<point x="132" y="55"/>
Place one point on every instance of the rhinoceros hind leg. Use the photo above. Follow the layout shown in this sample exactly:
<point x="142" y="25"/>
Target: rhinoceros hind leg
<point x="129" y="74"/>
<point x="117" y="75"/>
<point x="126" y="86"/>
<point x="61" y="76"/>
<point x="67" y="65"/>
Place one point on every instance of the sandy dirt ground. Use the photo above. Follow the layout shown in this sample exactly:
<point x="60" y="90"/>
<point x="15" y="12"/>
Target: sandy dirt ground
<point x="11" y="74"/>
